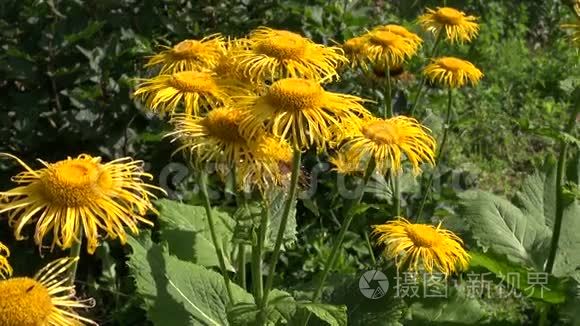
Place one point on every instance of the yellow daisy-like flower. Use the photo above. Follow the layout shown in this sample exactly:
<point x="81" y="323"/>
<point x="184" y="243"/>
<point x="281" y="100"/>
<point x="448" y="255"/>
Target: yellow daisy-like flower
<point x="215" y="137"/>
<point x="42" y="300"/>
<point x="79" y="194"/>
<point x="275" y="54"/>
<point x="343" y="164"/>
<point x="574" y="28"/>
<point x="388" y="48"/>
<point x="452" y="72"/>
<point x="301" y="111"/>
<point x="5" y="268"/>
<point x="387" y="140"/>
<point x="401" y="31"/>
<point x="268" y="165"/>
<point x="422" y="247"/>
<point x="457" y="26"/>
<point x="353" y="50"/>
<point x="189" y="55"/>
<point x="197" y="91"/>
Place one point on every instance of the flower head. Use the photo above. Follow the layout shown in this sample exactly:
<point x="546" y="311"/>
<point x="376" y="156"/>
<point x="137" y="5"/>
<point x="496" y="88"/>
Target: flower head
<point x="353" y="50"/>
<point x="189" y="55"/>
<point x="387" y="140"/>
<point x="5" y="268"/>
<point x="272" y="54"/>
<point x="343" y="164"/>
<point x="197" y="91"/>
<point x="401" y="31"/>
<point x="79" y="194"/>
<point x="422" y="246"/>
<point x="215" y="137"/>
<point x="387" y="48"/>
<point x="267" y="166"/>
<point x="457" y="26"/>
<point x="42" y="300"/>
<point x="301" y="111"/>
<point x="452" y="72"/>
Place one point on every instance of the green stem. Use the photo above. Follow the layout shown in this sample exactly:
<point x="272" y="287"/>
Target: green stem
<point x="214" y="239"/>
<point x="396" y="178"/>
<point x="257" y="252"/>
<point x="297" y="156"/>
<point x="329" y="265"/>
<point x="439" y="151"/>
<point x="75" y="253"/>
<point x="388" y="113"/>
<point x="241" y="273"/>
<point x="560" y="179"/>
<point x="370" y="247"/>
<point x="423" y="78"/>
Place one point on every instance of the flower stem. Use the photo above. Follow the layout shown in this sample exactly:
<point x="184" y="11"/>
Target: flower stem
<point x="423" y="79"/>
<point x="388" y="98"/>
<point x="370" y="247"/>
<point x="257" y="251"/>
<point x="216" y="243"/>
<point x="439" y="151"/>
<point x="241" y="273"/>
<point x="75" y="253"/>
<point x="329" y="265"/>
<point x="560" y="179"/>
<point x="296" y="158"/>
<point x="396" y="193"/>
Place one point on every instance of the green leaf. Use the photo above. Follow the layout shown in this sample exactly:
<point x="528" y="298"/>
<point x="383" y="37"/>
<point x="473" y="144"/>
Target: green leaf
<point x="553" y="291"/>
<point x="455" y="308"/>
<point x="277" y="203"/>
<point x="567" y="261"/>
<point x="281" y="309"/>
<point x="177" y="292"/>
<point x="185" y="229"/>
<point x="502" y="227"/>
<point x="331" y="314"/>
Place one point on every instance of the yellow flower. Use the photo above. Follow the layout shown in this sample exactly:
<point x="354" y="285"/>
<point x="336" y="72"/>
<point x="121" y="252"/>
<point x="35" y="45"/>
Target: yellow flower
<point x="574" y="28"/>
<point x="189" y="55"/>
<point x="215" y="137"/>
<point x="387" y="141"/>
<point x="274" y="54"/>
<point x="457" y="26"/>
<point x="42" y="300"/>
<point x="353" y="50"/>
<point x="79" y="194"/>
<point x="197" y="91"/>
<point x="5" y="268"/>
<point x="268" y="165"/>
<point x="422" y="246"/>
<point x="388" y="48"/>
<point x="452" y="72"/>
<point x="343" y="164"/>
<point x="300" y="111"/>
<point x="401" y="31"/>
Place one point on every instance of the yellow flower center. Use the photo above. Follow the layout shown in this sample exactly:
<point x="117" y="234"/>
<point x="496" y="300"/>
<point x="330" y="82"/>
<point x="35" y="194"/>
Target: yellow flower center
<point x="224" y="125"/>
<point x="295" y="94"/>
<point x="24" y="302"/>
<point x="448" y="16"/>
<point x="384" y="38"/>
<point x="381" y="132"/>
<point x="422" y="235"/>
<point x="284" y="45"/>
<point x="188" y="49"/>
<point x="74" y="183"/>
<point x="193" y="81"/>
<point x="451" y="64"/>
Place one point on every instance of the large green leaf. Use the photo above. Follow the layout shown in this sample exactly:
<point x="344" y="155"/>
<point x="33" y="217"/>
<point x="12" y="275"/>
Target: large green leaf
<point x="553" y="290"/>
<point x="330" y="314"/>
<point x="177" y="292"/>
<point x="567" y="261"/>
<point x="185" y="229"/>
<point x="500" y="226"/>
<point x="277" y="203"/>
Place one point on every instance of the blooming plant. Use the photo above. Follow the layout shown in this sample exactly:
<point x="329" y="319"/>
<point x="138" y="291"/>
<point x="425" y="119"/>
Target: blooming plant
<point x="248" y="115"/>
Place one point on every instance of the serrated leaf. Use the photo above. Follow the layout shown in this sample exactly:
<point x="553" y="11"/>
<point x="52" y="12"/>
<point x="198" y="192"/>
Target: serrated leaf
<point x="333" y="315"/>
<point x="502" y="227"/>
<point x="277" y="203"/>
<point x="185" y="229"/>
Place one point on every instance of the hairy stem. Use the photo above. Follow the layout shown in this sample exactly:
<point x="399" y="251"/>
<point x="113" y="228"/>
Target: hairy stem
<point x="75" y="253"/>
<point x="417" y="98"/>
